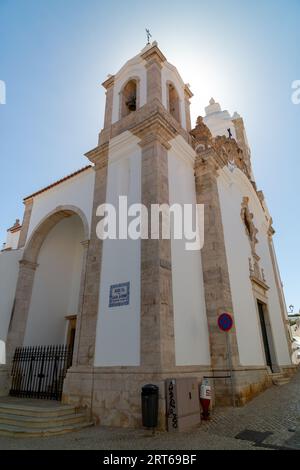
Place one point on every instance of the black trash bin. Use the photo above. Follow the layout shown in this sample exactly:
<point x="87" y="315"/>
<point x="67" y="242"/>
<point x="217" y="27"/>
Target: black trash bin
<point x="150" y="405"/>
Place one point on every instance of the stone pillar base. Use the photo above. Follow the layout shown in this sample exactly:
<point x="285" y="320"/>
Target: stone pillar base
<point x="116" y="396"/>
<point x="112" y="396"/>
<point x="247" y="384"/>
<point x="4" y="381"/>
<point x="290" y="371"/>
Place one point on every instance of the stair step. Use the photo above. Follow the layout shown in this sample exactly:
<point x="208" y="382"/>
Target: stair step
<point x="281" y="381"/>
<point x="41" y="421"/>
<point x="38" y="411"/>
<point x="19" y="431"/>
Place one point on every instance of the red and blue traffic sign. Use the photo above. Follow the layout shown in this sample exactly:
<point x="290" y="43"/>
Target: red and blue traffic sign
<point x="225" y="322"/>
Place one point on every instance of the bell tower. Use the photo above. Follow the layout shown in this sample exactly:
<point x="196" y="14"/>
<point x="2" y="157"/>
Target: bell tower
<point x="144" y="81"/>
<point x="143" y="153"/>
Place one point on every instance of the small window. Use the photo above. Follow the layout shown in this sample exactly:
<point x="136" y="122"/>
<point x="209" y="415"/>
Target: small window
<point x="174" y="102"/>
<point x="129" y="98"/>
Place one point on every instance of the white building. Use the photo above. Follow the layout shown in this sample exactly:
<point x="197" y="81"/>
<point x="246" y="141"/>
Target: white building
<point x="58" y="279"/>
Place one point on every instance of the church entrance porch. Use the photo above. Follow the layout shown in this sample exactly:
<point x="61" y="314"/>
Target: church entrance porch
<point x="42" y="335"/>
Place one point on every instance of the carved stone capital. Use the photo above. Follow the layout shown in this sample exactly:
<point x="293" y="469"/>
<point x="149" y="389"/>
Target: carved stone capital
<point x="28" y="264"/>
<point x="153" y="54"/>
<point x="28" y="201"/>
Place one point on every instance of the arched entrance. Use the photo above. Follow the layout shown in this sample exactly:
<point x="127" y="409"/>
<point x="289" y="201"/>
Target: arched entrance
<point x="49" y="290"/>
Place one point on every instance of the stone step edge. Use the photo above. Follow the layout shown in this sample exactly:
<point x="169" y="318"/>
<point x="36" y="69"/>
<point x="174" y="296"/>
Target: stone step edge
<point x="41" y="419"/>
<point x="26" y="411"/>
<point x="35" y="408"/>
<point x="16" y="431"/>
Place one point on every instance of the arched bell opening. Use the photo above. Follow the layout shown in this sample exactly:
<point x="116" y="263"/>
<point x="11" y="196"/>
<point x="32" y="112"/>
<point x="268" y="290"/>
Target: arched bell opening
<point x="129" y="97"/>
<point x="173" y="102"/>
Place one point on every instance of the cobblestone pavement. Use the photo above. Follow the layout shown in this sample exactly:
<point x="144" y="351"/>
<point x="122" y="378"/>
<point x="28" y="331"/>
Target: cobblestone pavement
<point x="277" y="410"/>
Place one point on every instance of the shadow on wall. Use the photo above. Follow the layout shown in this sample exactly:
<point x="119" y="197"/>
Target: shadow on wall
<point x="2" y="352"/>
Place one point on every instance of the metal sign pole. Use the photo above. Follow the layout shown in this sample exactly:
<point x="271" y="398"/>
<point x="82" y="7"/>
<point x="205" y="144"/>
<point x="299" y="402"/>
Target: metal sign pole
<point x="229" y="358"/>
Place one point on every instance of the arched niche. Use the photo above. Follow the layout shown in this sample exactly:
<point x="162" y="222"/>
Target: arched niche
<point x="39" y="234"/>
<point x="173" y="101"/>
<point x="43" y="276"/>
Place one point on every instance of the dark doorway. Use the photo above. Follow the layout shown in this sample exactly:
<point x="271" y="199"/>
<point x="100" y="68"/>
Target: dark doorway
<point x="71" y="335"/>
<point x="262" y="318"/>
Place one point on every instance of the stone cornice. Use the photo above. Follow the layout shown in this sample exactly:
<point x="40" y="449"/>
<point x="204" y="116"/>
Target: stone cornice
<point x="259" y="282"/>
<point x="28" y="201"/>
<point x="144" y="117"/>
<point x="187" y="91"/>
<point x="154" y="54"/>
<point x="155" y="128"/>
<point x="108" y="82"/>
<point x="98" y="156"/>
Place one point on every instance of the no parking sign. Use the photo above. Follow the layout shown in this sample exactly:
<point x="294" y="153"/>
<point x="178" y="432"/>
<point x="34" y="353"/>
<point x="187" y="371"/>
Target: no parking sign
<point x="225" y="322"/>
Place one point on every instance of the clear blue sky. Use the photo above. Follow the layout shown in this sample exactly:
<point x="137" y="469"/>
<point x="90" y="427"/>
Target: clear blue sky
<point x="54" y="54"/>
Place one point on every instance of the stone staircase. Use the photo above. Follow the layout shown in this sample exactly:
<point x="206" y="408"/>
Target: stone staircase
<point x="280" y="379"/>
<point x="21" y="417"/>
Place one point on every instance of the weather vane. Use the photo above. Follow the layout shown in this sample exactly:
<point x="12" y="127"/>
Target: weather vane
<point x="149" y="35"/>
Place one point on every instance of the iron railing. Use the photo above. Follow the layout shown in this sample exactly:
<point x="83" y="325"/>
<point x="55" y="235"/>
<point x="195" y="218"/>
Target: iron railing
<point x="39" y="371"/>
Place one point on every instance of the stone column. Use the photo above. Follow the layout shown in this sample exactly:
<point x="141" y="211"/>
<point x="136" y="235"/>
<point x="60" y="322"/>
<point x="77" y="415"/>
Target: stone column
<point x="215" y="270"/>
<point x="241" y="140"/>
<point x="187" y="95"/>
<point x="79" y="382"/>
<point x="85" y="245"/>
<point x="89" y="314"/>
<point x="109" y="86"/>
<point x="26" y="220"/>
<point x="154" y="60"/>
<point x="157" y="322"/>
<point x="19" y="316"/>
<point x="154" y="88"/>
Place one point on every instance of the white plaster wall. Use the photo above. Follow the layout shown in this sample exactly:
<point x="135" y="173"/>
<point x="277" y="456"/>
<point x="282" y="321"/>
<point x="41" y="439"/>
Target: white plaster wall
<point x="56" y="284"/>
<point x="118" y="328"/>
<point x="9" y="270"/>
<point x="77" y="191"/>
<point x="170" y="74"/>
<point x="12" y="240"/>
<point x="232" y="188"/>
<point x="134" y="68"/>
<point x="190" y="321"/>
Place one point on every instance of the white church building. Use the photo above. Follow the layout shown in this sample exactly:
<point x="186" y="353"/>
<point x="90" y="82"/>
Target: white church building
<point x="59" y="282"/>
